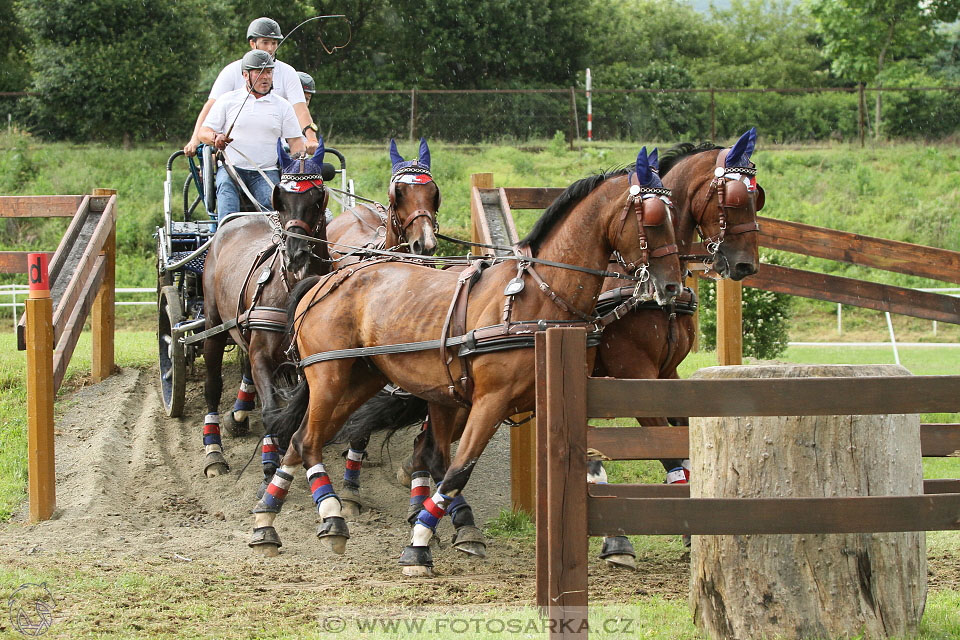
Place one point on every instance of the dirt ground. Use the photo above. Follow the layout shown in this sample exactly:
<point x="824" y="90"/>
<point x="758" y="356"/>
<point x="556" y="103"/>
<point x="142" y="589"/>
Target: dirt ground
<point x="130" y="489"/>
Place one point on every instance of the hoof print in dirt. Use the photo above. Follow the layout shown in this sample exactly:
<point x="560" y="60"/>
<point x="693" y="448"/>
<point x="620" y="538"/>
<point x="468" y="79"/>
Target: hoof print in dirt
<point x="233" y="428"/>
<point x="215" y="465"/>
<point x="334" y="534"/>
<point x="265" y="541"/>
<point x="416" y="562"/>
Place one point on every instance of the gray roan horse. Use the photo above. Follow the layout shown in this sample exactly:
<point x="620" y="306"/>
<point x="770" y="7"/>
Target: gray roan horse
<point x="247" y="276"/>
<point x="649" y="342"/>
<point x="622" y="212"/>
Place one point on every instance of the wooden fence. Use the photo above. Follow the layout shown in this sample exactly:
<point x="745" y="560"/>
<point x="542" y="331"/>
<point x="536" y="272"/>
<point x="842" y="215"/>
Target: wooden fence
<point x="80" y="282"/>
<point x="570" y="510"/>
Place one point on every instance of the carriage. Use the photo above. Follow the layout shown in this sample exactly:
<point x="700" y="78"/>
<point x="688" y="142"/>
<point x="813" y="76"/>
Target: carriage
<point x="182" y="243"/>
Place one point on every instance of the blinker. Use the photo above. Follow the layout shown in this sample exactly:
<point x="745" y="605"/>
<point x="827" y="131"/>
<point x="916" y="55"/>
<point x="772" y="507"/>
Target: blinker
<point x="654" y="211"/>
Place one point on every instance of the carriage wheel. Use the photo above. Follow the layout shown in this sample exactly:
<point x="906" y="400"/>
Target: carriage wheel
<point x="172" y="354"/>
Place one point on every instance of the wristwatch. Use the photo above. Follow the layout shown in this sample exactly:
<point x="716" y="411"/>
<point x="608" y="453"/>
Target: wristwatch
<point x="312" y="125"/>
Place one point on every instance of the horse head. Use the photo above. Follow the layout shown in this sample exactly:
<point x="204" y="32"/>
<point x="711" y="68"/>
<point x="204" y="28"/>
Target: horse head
<point x="300" y="200"/>
<point x="645" y="243"/>
<point x="728" y="206"/>
<point x="414" y="202"/>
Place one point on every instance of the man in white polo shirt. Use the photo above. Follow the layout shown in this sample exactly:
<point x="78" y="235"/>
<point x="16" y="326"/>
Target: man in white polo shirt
<point x="246" y="124"/>
<point x="263" y="34"/>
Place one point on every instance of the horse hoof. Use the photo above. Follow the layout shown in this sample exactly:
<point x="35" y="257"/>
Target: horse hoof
<point x="215" y="465"/>
<point x="416" y="562"/>
<point x="621" y="561"/>
<point x="334" y="534"/>
<point x="417" y="572"/>
<point x="403" y="477"/>
<point x="233" y="428"/>
<point x="350" y="502"/>
<point x="469" y="540"/>
<point x="618" y="552"/>
<point x="686" y="540"/>
<point x="265" y="542"/>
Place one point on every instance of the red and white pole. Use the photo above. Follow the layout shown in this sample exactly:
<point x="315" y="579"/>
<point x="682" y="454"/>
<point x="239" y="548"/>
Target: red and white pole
<point x="589" y="110"/>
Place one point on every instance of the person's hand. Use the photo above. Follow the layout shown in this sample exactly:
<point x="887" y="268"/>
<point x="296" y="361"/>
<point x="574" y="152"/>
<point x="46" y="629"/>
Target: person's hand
<point x="312" y="144"/>
<point x="220" y="141"/>
<point x="190" y="149"/>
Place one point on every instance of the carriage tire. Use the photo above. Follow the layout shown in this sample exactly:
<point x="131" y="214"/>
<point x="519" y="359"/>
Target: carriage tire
<point x="171" y="354"/>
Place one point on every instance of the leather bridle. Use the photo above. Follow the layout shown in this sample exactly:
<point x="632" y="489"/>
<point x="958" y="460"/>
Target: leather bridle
<point x="727" y="179"/>
<point x="410" y="175"/>
<point x="652" y="207"/>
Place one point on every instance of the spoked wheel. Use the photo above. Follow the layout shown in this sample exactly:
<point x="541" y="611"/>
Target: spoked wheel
<point x="173" y="359"/>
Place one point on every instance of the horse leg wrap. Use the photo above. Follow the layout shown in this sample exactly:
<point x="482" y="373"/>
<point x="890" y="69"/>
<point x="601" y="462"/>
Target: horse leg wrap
<point x="460" y="512"/>
<point x="433" y="510"/>
<point x="419" y="491"/>
<point x="212" y="444"/>
<point x="681" y="475"/>
<point x="276" y="491"/>
<point x="468" y="538"/>
<point x="245" y="399"/>
<point x="351" y="473"/>
<point x="322" y="489"/>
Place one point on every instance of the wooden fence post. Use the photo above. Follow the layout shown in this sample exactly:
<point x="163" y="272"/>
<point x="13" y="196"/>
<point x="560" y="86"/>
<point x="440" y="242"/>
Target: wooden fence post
<point x="574" y="120"/>
<point x="480" y="181"/>
<point x="861" y="113"/>
<point x="42" y="491"/>
<point x="565" y="468"/>
<point x="729" y="322"/>
<point x="413" y="114"/>
<point x="102" y="318"/>
<point x="713" y="116"/>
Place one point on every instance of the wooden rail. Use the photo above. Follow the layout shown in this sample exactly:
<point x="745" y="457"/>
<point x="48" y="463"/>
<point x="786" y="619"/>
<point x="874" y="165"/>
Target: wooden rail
<point x="79" y="278"/>
<point x="571" y="511"/>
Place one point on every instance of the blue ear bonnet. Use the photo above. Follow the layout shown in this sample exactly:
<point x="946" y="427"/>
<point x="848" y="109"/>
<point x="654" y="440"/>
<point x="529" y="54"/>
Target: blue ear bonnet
<point x="739" y="155"/>
<point x="398" y="163"/>
<point x="646" y="169"/>
<point x="291" y="166"/>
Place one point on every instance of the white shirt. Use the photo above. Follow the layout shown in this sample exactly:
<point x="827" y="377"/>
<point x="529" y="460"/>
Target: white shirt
<point x="260" y="123"/>
<point x="286" y="82"/>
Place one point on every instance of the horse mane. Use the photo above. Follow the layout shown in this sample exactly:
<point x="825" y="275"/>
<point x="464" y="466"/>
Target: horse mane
<point x="672" y="156"/>
<point x="564" y="202"/>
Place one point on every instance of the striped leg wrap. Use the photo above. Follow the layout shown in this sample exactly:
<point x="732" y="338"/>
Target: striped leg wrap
<point x="270" y="451"/>
<point x="351" y="474"/>
<point x="679" y="475"/>
<point x="320" y="485"/>
<point x="211" y="433"/>
<point x="419" y="487"/>
<point x="276" y="492"/>
<point x="245" y="396"/>
<point x="433" y="509"/>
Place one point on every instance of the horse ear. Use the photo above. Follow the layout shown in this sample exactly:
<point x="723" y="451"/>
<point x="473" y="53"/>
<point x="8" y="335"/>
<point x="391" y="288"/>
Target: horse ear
<point x="282" y="154"/>
<point x="424" y="157"/>
<point x="321" y="149"/>
<point x="739" y="156"/>
<point x="275" y="198"/>
<point x="643" y="168"/>
<point x="653" y="160"/>
<point x="395" y="157"/>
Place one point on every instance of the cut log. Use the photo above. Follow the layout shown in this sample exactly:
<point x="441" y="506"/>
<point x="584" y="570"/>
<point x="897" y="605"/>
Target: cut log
<point x="811" y="585"/>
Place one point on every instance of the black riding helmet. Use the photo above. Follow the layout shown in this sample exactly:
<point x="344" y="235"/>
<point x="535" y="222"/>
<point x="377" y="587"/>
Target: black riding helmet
<point x="257" y="59"/>
<point x="264" y="28"/>
<point x="309" y="86"/>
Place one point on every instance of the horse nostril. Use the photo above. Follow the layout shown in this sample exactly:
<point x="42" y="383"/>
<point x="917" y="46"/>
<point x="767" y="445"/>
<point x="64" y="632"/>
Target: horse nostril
<point x="744" y="269"/>
<point x="672" y="289"/>
<point x="417" y="247"/>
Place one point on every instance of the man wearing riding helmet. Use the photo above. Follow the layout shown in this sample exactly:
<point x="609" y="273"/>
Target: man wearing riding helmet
<point x="309" y="86"/>
<point x="263" y="34"/>
<point x="245" y="124"/>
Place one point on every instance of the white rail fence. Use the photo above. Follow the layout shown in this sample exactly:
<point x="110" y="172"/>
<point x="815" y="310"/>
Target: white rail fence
<point x="12" y="295"/>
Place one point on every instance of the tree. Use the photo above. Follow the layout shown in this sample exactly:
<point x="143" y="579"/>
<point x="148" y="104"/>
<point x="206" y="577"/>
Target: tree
<point x="862" y="37"/>
<point x="13" y="71"/>
<point x="114" y="68"/>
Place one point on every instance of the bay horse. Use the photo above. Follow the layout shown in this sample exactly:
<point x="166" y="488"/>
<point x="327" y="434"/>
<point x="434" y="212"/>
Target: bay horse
<point x="249" y="270"/>
<point x="621" y="211"/>
<point x="648" y="342"/>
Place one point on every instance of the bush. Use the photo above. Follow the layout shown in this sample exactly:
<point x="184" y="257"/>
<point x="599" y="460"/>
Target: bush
<point x="765" y="318"/>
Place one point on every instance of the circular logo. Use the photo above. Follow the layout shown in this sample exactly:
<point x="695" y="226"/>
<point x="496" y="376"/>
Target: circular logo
<point x="31" y="609"/>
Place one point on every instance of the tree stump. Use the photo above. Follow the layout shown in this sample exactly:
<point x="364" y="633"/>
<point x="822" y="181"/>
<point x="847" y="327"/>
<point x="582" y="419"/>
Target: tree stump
<point x="807" y="586"/>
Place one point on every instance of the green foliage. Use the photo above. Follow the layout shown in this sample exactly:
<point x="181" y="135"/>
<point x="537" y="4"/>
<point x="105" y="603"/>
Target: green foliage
<point x="765" y="319"/>
<point x="510" y="524"/>
<point x="111" y="68"/>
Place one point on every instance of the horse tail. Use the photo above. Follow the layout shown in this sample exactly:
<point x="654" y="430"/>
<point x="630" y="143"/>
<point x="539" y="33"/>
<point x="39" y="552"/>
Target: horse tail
<point x="385" y="411"/>
<point x="296" y="294"/>
<point x="285" y="421"/>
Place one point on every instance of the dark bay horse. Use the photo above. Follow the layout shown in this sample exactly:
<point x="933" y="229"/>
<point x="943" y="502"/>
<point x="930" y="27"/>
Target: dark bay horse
<point x="617" y="212"/>
<point x="247" y="276"/>
<point x="649" y="342"/>
<point x="410" y="218"/>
